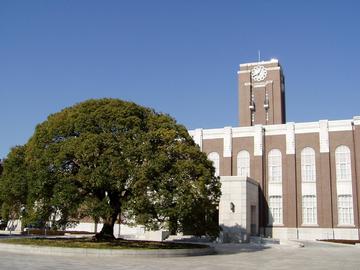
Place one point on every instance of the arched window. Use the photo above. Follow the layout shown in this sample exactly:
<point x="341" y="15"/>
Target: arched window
<point x="343" y="163"/>
<point x="344" y="185"/>
<point x="308" y="186"/>
<point x="275" y="166"/>
<point x="215" y="158"/>
<point x="243" y="163"/>
<point x="308" y="171"/>
<point x="275" y="187"/>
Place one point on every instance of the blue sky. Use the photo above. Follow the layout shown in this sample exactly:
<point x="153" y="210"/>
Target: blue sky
<point x="179" y="57"/>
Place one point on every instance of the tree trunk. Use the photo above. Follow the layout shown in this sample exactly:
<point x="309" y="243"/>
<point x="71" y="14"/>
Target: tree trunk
<point x="107" y="231"/>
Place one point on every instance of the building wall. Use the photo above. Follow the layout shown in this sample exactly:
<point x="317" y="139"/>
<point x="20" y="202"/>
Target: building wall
<point x="291" y="138"/>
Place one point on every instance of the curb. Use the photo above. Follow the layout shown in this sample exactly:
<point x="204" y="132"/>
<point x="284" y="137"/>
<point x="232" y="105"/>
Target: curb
<point x="58" y="251"/>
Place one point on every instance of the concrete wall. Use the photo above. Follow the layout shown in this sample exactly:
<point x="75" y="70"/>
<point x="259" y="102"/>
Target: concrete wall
<point x="127" y="232"/>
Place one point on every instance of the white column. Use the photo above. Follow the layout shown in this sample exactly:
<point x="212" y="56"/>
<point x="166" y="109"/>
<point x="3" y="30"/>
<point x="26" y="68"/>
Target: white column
<point x="356" y="120"/>
<point x="227" y="142"/>
<point x="290" y="138"/>
<point x="324" y="136"/>
<point x="198" y="137"/>
<point x="258" y="140"/>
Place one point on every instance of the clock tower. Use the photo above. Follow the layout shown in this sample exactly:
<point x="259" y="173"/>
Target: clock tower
<point x="261" y="93"/>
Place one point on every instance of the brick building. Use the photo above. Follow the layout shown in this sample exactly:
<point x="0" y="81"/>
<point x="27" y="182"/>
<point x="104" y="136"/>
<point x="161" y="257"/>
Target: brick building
<point x="284" y="179"/>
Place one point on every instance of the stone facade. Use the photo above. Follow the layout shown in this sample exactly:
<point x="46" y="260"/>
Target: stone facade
<point x="238" y="208"/>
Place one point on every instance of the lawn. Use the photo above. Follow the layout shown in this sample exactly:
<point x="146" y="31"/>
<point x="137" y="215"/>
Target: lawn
<point x="89" y="243"/>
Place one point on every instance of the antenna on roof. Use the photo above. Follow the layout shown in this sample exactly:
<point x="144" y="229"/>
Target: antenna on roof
<point x="259" y="56"/>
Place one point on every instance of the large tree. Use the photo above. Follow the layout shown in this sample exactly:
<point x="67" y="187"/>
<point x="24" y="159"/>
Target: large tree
<point x="108" y="158"/>
<point x="13" y="185"/>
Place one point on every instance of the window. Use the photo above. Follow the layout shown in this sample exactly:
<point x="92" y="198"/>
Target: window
<point x="345" y="210"/>
<point x="275" y="187"/>
<point x="214" y="157"/>
<point x="344" y="185"/>
<point x="275" y="168"/>
<point x="343" y="163"/>
<point x="308" y="186"/>
<point x="308" y="171"/>
<point x="309" y="212"/>
<point x="243" y="163"/>
<point x="275" y="208"/>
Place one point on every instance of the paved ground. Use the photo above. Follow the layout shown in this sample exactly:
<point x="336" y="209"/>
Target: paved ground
<point x="312" y="256"/>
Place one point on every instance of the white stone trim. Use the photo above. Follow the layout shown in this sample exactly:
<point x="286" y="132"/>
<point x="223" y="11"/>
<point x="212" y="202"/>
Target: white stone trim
<point x="244" y="71"/>
<point x="311" y="233"/>
<point x="275" y="130"/>
<point x="198" y="137"/>
<point x="323" y="127"/>
<point x="290" y="138"/>
<point x="356" y="120"/>
<point x="340" y="125"/>
<point x="209" y="134"/>
<point x="249" y="70"/>
<point x="346" y="233"/>
<point x="258" y="84"/>
<point x="324" y="136"/>
<point x="273" y="68"/>
<point x="240" y="132"/>
<point x="258" y="140"/>
<point x="308" y="127"/>
<point x="227" y="142"/>
<point x="262" y="84"/>
<point x="272" y="61"/>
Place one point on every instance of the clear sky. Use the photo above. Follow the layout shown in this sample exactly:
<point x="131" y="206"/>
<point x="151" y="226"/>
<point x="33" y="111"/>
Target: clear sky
<point x="179" y="57"/>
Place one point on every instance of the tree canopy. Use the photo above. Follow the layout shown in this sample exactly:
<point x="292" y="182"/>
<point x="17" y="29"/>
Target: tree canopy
<point x="108" y="158"/>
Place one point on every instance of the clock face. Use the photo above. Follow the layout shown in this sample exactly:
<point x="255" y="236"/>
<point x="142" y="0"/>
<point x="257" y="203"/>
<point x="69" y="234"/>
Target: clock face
<point x="258" y="73"/>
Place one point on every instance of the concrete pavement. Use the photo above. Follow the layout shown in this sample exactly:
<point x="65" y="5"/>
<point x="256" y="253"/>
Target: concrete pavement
<point x="245" y="256"/>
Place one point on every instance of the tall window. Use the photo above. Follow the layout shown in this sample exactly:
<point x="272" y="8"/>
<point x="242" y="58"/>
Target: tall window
<point x="275" y="166"/>
<point x="215" y="158"/>
<point x="345" y="209"/>
<point x="309" y="211"/>
<point x="243" y="163"/>
<point x="308" y="172"/>
<point x="308" y="186"/>
<point x="275" y="187"/>
<point x="343" y="163"/>
<point x="276" y="211"/>
<point x="344" y="185"/>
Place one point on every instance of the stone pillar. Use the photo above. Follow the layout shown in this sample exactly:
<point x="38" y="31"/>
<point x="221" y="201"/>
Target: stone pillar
<point x="227" y="153"/>
<point x="198" y="137"/>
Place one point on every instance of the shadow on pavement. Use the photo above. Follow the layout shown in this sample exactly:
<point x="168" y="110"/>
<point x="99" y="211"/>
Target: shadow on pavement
<point x="238" y="248"/>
